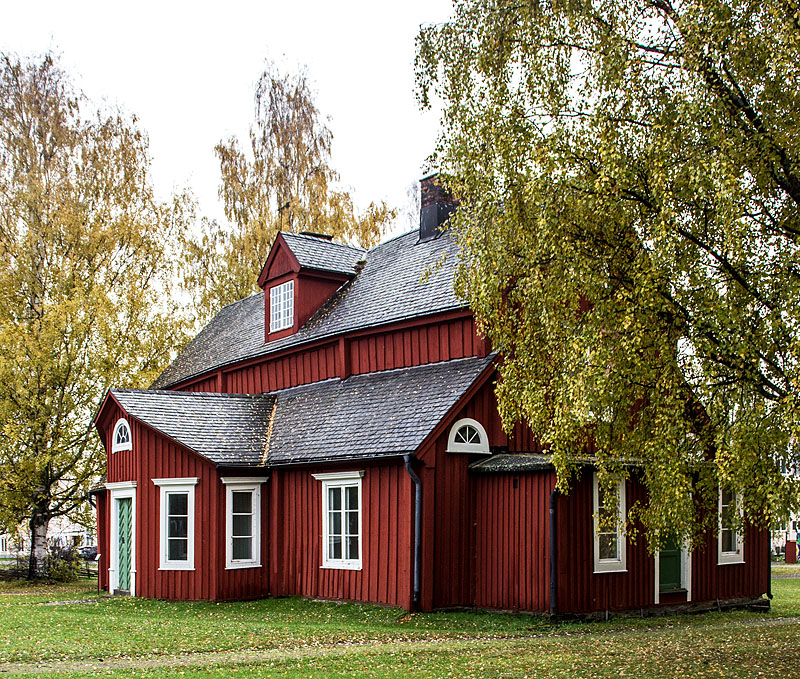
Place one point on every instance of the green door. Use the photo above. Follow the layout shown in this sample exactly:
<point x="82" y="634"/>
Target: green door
<point x="670" y="567"/>
<point x="124" y="545"/>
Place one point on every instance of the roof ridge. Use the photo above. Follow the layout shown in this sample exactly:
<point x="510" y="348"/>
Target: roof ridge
<point x="323" y="241"/>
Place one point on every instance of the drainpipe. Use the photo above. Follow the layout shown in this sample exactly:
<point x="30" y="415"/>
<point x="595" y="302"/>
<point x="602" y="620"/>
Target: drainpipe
<point x="417" y="527"/>
<point x="553" y="555"/>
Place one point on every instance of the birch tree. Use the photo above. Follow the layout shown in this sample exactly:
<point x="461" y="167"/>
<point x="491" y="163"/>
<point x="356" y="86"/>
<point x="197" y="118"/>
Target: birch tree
<point x="630" y="182"/>
<point x="85" y="266"/>
<point x="285" y="182"/>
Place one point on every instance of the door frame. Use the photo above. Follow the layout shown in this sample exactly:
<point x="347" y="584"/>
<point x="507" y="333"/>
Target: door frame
<point x="686" y="574"/>
<point x="118" y="491"/>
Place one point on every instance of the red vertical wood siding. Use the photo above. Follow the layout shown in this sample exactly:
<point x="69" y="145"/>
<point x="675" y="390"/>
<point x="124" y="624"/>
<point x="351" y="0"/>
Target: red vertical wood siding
<point x="712" y="582"/>
<point x="103" y="526"/>
<point x="382" y="350"/>
<point x="513" y="541"/>
<point x="387" y="529"/>
<point x="153" y="457"/>
<point x="580" y="590"/>
<point x="206" y="384"/>
<point x="453" y="504"/>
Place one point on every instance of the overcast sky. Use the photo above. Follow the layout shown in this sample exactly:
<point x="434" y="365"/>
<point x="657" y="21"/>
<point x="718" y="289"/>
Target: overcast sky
<point x="188" y="71"/>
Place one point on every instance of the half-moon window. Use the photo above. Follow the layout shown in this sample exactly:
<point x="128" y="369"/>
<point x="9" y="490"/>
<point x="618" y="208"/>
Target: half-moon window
<point x="121" y="438"/>
<point x="468" y="436"/>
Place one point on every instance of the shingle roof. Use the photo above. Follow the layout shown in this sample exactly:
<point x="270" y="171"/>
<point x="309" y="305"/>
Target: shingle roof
<point x="225" y="428"/>
<point x="322" y="254"/>
<point x="365" y="416"/>
<point x="513" y="462"/>
<point x="389" y="288"/>
<point x="372" y="415"/>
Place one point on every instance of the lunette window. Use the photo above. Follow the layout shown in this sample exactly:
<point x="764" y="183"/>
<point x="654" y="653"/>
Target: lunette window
<point x="468" y="436"/>
<point x="341" y="520"/>
<point x="176" y="540"/>
<point x="610" y="552"/>
<point x="281" y="306"/>
<point x="730" y="543"/>
<point x="243" y="522"/>
<point x="121" y="437"/>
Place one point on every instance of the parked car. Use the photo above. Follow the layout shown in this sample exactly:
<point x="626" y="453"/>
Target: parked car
<point x="88" y="553"/>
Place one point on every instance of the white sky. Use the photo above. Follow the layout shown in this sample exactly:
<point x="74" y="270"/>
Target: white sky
<point x="188" y="70"/>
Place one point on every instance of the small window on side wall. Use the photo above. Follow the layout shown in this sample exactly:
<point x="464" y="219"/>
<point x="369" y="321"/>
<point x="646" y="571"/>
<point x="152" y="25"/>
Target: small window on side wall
<point x="610" y="553"/>
<point x="341" y="520"/>
<point x="121" y="437"/>
<point x="730" y="542"/>
<point x="176" y="540"/>
<point x="281" y="306"/>
<point x="468" y="436"/>
<point x="243" y="522"/>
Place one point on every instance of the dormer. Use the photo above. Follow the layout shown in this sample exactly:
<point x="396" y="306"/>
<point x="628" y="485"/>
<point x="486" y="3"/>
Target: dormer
<point x="302" y="272"/>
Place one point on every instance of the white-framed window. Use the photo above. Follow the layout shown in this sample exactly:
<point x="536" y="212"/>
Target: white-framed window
<point x="176" y="542"/>
<point x="468" y="436"/>
<point x="730" y="541"/>
<point x="610" y="549"/>
<point x="121" y="437"/>
<point x="341" y="519"/>
<point x="281" y="306"/>
<point x="243" y="521"/>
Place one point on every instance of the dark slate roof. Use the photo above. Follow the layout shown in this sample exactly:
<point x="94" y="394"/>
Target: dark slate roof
<point x="365" y="416"/>
<point x="322" y="254"/>
<point x="373" y="415"/>
<point x="512" y="462"/>
<point x="389" y="288"/>
<point x="225" y="428"/>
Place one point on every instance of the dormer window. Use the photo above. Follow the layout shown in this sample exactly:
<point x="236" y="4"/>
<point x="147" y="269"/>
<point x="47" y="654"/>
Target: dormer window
<point x="121" y="438"/>
<point x="281" y="306"/>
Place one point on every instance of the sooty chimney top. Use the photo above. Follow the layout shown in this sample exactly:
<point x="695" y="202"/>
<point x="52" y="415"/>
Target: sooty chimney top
<point x="436" y="206"/>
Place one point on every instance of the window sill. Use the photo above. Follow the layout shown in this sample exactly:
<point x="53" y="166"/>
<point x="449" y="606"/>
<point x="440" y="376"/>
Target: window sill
<point x="610" y="570"/>
<point x="730" y="562"/>
<point x="175" y="567"/>
<point x="239" y="566"/>
<point x="332" y="565"/>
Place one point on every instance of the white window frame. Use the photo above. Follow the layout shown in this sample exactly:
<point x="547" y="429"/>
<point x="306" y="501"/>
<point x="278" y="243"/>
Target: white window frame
<point x="726" y="558"/>
<point x="240" y="485"/>
<point x="480" y="448"/>
<point x="168" y="486"/>
<point x="341" y="480"/>
<point x="281" y="306"/>
<point x="127" y="445"/>
<point x="618" y="565"/>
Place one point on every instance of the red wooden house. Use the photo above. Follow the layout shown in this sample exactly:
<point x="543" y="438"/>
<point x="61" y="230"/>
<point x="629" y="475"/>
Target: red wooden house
<point x="337" y="436"/>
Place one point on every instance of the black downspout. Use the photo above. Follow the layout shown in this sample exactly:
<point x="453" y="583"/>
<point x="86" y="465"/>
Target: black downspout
<point x="417" y="527"/>
<point x="769" y="564"/>
<point x="553" y="555"/>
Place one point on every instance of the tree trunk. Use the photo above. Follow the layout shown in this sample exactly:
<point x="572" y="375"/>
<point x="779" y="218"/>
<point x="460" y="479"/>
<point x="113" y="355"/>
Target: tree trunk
<point x="40" y="520"/>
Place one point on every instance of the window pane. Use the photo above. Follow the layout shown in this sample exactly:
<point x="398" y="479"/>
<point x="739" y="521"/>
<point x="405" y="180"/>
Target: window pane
<point x="178" y="549"/>
<point x="334" y="498"/>
<point x="242" y="548"/>
<point x="242" y="526"/>
<point x="335" y="523"/>
<point x="242" y="502"/>
<point x="352" y="497"/>
<point x="352" y="523"/>
<point x="352" y="548"/>
<point x="728" y="541"/>
<point x="178" y="527"/>
<point x="608" y="546"/>
<point x="335" y="547"/>
<point x="727" y="496"/>
<point x="178" y="503"/>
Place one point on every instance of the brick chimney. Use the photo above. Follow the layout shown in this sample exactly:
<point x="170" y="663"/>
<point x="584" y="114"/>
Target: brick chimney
<point x="436" y="206"/>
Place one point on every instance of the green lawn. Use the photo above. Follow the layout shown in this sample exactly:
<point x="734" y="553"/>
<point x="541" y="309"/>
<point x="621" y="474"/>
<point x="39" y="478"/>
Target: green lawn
<point x="301" y="638"/>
